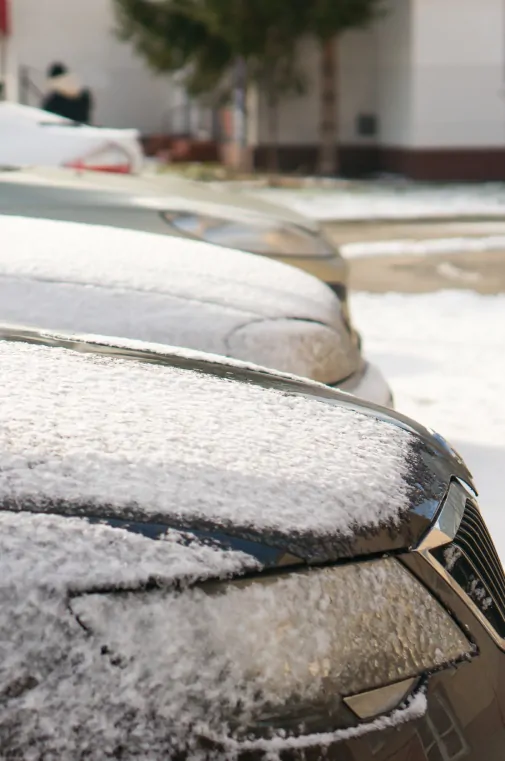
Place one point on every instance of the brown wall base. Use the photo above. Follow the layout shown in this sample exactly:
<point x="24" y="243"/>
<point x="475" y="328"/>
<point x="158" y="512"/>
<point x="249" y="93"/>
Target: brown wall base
<point x="302" y="159"/>
<point x="180" y="148"/>
<point x="471" y="164"/>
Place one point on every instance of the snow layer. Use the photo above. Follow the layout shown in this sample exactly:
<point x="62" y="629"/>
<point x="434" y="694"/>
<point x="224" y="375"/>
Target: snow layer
<point x="175" y="351"/>
<point x="129" y="260"/>
<point x="432" y="246"/>
<point x="163" y="441"/>
<point x="32" y="136"/>
<point x="139" y="675"/>
<point x="415" y="708"/>
<point x="292" y="346"/>
<point x="64" y="276"/>
<point x="382" y="200"/>
<point x="443" y="354"/>
<point x="60" y="696"/>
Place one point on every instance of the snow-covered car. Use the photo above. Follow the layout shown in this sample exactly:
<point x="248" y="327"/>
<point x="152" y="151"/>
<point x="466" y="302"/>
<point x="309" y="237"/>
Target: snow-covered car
<point x="170" y="205"/>
<point x="88" y="278"/>
<point x="31" y="136"/>
<point x="204" y="561"/>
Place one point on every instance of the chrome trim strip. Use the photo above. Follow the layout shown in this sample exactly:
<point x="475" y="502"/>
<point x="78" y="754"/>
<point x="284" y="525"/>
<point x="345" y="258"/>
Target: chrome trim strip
<point x="433" y="562"/>
<point x="449" y="518"/>
<point x="373" y="703"/>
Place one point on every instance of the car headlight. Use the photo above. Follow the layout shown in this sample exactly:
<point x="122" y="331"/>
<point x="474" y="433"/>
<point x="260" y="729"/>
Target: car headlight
<point x="299" y="347"/>
<point x="255" y="234"/>
<point x="302" y="651"/>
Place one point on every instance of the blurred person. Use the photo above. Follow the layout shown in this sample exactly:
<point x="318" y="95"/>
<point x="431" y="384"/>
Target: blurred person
<point x="65" y="96"/>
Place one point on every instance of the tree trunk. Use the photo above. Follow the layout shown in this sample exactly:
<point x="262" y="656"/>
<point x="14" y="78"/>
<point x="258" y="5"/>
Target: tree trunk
<point x="240" y="118"/>
<point x="328" y="151"/>
<point x="273" y="134"/>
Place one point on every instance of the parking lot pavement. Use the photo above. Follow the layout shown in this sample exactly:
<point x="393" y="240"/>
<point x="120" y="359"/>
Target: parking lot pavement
<point x="483" y="272"/>
<point x="371" y="230"/>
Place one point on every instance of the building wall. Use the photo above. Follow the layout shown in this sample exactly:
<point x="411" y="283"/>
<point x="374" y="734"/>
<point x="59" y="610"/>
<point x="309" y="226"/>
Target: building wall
<point x="457" y="93"/>
<point x="298" y="115"/>
<point x="433" y="71"/>
<point x="374" y="74"/>
<point x="394" y="34"/>
<point x="80" y="33"/>
<point x="458" y="67"/>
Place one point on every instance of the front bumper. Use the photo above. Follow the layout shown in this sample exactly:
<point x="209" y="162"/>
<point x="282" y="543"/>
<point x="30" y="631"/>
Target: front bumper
<point x="369" y="384"/>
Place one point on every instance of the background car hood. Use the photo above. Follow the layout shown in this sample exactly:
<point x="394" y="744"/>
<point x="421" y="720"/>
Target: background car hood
<point x="122" y="282"/>
<point x="26" y="190"/>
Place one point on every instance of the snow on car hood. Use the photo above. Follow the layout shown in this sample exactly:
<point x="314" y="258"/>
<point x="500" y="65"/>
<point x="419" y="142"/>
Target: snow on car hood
<point x="131" y="260"/>
<point x="61" y="698"/>
<point x="138" y="675"/>
<point x="84" y="429"/>
<point x="32" y="136"/>
<point x="87" y="434"/>
<point x="75" y="277"/>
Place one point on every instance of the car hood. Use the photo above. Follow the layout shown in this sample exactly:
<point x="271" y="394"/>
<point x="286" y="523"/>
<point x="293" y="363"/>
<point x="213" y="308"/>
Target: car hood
<point x="274" y="468"/>
<point x="104" y="257"/>
<point x="159" y="192"/>
<point x="170" y="290"/>
<point x="256" y="548"/>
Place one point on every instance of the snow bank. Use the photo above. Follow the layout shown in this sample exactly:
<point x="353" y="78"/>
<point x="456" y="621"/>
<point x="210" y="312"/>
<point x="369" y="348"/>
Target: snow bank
<point x="381" y="201"/>
<point x="435" y="246"/>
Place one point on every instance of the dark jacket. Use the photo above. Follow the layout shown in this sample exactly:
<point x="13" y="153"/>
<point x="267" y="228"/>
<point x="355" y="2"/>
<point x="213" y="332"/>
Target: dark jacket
<point x="78" y="109"/>
<point x="66" y="98"/>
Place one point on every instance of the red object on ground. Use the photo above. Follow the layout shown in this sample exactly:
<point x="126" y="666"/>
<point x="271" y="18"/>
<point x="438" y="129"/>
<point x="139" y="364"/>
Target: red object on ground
<point x="4" y="18"/>
<point x="104" y="159"/>
<point x="179" y="148"/>
<point x="111" y="169"/>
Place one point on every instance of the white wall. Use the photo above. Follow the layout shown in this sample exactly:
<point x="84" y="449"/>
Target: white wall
<point x="375" y="68"/>
<point x="459" y="73"/>
<point x="394" y="73"/>
<point x="80" y="33"/>
<point x="299" y="116"/>
<point x="358" y="83"/>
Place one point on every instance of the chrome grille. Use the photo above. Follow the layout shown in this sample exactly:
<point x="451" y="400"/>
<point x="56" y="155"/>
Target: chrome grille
<point x="471" y="559"/>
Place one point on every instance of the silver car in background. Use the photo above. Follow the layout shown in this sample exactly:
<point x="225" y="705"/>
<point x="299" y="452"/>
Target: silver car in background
<point x="96" y="279"/>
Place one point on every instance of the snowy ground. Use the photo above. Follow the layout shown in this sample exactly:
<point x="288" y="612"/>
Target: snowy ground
<point x="431" y="246"/>
<point x="443" y="354"/>
<point x="392" y="200"/>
